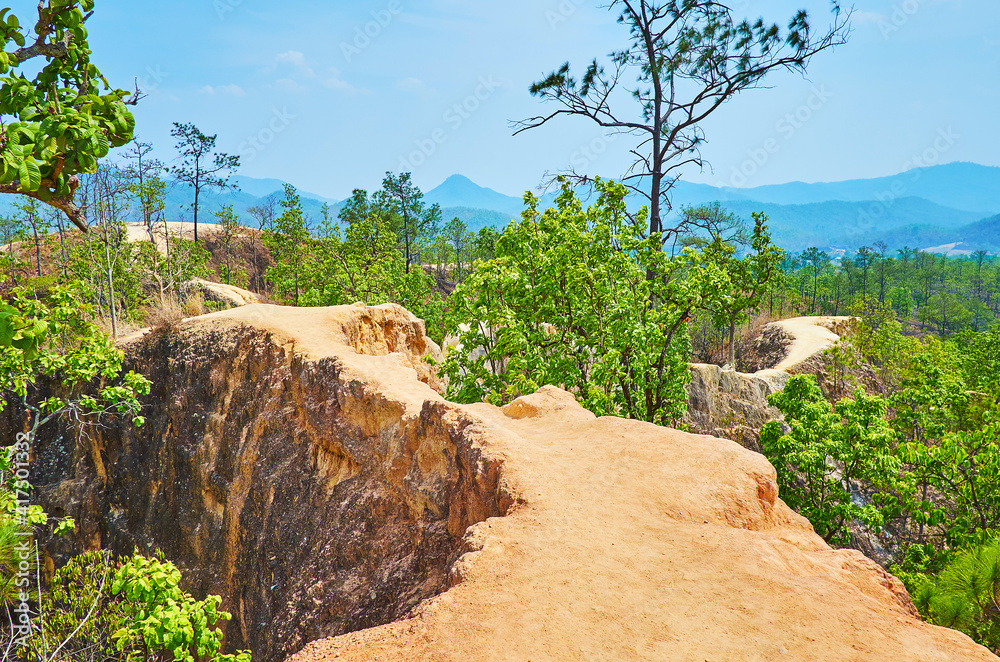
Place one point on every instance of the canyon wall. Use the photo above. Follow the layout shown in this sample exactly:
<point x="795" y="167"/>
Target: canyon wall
<point x="300" y="463"/>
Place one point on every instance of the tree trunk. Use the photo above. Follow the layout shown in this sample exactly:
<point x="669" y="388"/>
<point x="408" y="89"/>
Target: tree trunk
<point x="111" y="284"/>
<point x="197" y="190"/>
<point x="732" y="345"/>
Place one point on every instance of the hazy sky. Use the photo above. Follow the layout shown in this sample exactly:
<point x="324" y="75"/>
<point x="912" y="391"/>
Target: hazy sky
<point x="330" y="95"/>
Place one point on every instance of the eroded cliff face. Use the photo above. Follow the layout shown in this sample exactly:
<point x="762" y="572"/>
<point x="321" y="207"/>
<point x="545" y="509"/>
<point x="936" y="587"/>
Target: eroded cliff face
<point x="313" y="500"/>
<point x="733" y="405"/>
<point x="298" y="462"/>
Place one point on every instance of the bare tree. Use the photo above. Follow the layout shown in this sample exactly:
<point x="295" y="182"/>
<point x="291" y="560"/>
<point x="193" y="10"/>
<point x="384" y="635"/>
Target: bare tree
<point x="33" y="218"/>
<point x="687" y="58"/>
<point x="147" y="186"/>
<point x="264" y="214"/>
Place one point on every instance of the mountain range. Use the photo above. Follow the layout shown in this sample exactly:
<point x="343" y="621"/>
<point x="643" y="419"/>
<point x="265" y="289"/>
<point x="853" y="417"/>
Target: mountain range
<point x="952" y="208"/>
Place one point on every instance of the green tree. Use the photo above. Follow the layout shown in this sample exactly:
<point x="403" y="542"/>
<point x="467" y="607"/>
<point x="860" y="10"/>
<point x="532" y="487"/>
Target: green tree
<point x="146" y="186"/>
<point x="750" y="278"/>
<point x="58" y="123"/>
<point x="566" y="302"/>
<point x="416" y="220"/>
<point x="686" y="58"/>
<point x="230" y="225"/>
<point x="827" y="452"/>
<point x="288" y="243"/>
<point x="817" y="261"/>
<point x="99" y="607"/>
<point x="457" y="234"/>
<point x="201" y="167"/>
<point x="966" y="595"/>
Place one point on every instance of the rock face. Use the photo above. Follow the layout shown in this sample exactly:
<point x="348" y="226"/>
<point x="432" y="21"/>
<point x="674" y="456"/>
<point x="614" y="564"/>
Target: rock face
<point x="229" y="296"/>
<point x="312" y="496"/>
<point x="733" y="405"/>
<point x="296" y="464"/>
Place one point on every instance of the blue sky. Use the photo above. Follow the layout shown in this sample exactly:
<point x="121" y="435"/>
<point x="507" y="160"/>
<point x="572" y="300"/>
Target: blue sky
<point x="330" y="95"/>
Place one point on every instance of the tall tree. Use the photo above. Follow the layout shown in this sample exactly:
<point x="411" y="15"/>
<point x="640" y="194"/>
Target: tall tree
<point x="687" y="58"/>
<point x="264" y="215"/>
<point x="200" y="166"/>
<point x="287" y="242"/>
<point x="456" y="233"/>
<point x="58" y="123"/>
<point x="750" y="278"/>
<point x="818" y="261"/>
<point x="230" y="224"/>
<point x="882" y="249"/>
<point x="32" y="218"/>
<point x="415" y="218"/>
<point x="147" y="186"/>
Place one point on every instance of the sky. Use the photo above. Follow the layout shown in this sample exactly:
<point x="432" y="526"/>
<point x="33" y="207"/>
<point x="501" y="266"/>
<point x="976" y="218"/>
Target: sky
<point x="329" y="95"/>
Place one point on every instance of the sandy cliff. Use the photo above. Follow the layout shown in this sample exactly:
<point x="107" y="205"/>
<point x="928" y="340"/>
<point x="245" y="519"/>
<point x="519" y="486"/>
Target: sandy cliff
<point x="300" y="463"/>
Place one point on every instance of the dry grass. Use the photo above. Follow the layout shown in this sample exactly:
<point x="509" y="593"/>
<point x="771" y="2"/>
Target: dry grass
<point x="194" y="305"/>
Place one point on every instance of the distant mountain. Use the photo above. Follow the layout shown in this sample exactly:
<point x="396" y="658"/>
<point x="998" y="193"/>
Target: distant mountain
<point x="261" y="188"/>
<point x="964" y="186"/>
<point x="920" y="207"/>
<point x="984" y="234"/>
<point x="460" y="191"/>
<point x="476" y="219"/>
<point x="849" y="225"/>
<point x="252" y="192"/>
<point x="956" y="203"/>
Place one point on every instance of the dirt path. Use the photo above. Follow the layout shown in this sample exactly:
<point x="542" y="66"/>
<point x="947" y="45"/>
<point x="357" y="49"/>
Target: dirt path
<point x="629" y="542"/>
<point x="811" y="336"/>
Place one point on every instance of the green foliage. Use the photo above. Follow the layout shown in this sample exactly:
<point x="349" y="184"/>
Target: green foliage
<point x="877" y="338"/>
<point x="966" y="594"/>
<point x="99" y="607"/>
<point x="750" y="278"/>
<point x="287" y="240"/>
<point x="57" y="338"/>
<point x="200" y="165"/>
<point x="964" y="467"/>
<point x="413" y="221"/>
<point x="159" y="616"/>
<point x="367" y="264"/>
<point x="567" y="301"/>
<point x="60" y="122"/>
<point x="827" y="452"/>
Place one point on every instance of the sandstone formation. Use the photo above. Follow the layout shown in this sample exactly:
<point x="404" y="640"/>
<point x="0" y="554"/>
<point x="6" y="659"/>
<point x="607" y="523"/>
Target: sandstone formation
<point x="299" y="463"/>
<point x="229" y="296"/>
<point x="733" y="405"/>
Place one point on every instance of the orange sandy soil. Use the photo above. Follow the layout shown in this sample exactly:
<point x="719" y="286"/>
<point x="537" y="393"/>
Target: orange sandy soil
<point x="627" y="542"/>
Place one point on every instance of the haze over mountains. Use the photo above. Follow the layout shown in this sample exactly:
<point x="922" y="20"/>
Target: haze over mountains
<point x="948" y="208"/>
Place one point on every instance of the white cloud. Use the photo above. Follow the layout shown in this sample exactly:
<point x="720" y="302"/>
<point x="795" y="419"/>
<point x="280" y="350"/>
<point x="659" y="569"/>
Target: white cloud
<point x="333" y="81"/>
<point x="414" y="86"/>
<point x="294" y="61"/>
<point x="290" y="85"/>
<point x="234" y="90"/>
